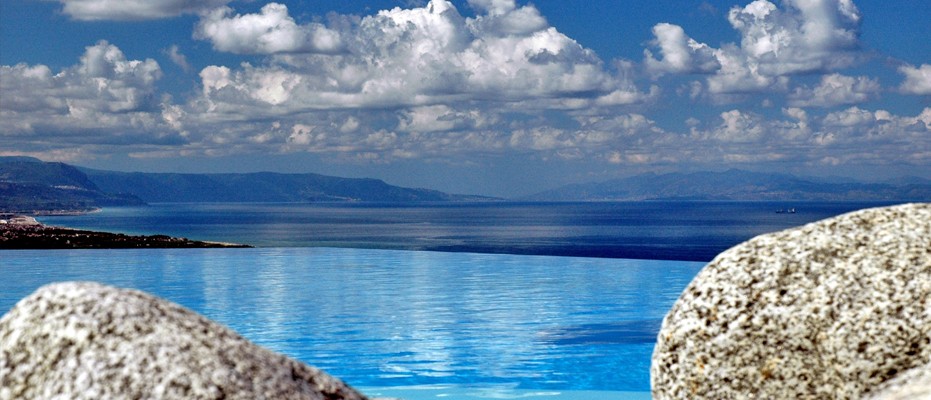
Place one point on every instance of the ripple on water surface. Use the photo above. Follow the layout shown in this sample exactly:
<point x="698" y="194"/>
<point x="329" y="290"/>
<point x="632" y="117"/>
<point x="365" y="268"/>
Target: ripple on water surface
<point x="421" y="324"/>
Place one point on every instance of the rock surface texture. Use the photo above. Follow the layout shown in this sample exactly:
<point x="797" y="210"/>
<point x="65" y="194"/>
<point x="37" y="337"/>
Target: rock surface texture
<point x="914" y="384"/>
<point x="89" y="341"/>
<point x="829" y="310"/>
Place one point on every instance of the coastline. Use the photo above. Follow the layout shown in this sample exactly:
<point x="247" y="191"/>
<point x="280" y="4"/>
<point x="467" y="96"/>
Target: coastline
<point x="20" y="232"/>
<point x="45" y="213"/>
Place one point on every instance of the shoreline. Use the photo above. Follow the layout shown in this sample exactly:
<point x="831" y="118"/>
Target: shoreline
<point x="21" y="232"/>
<point x="50" y="213"/>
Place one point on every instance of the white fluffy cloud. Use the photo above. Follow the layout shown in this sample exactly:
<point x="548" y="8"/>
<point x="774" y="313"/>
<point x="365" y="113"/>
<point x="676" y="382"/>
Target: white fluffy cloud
<point x="104" y="82"/>
<point x="802" y="37"/>
<point x="740" y="127"/>
<point x="850" y="136"/>
<point x="419" y="82"/>
<point x="808" y="35"/>
<point x="409" y="57"/>
<point x="105" y="99"/>
<point x="680" y="53"/>
<point x="503" y="17"/>
<point x="877" y="136"/>
<point x="493" y="7"/>
<point x="738" y="74"/>
<point x="917" y="79"/>
<point x="851" y="117"/>
<point x="270" y="31"/>
<point x="90" y="10"/>
<point x="429" y="83"/>
<point x="440" y="118"/>
<point x="834" y="90"/>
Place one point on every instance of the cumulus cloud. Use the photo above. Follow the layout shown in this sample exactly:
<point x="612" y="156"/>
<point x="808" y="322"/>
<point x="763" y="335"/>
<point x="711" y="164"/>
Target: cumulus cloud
<point x="680" y="53"/>
<point x="440" y="118"/>
<point x="851" y="117"/>
<point x="803" y="36"/>
<point x="503" y="17"/>
<point x="104" y="81"/>
<point x="270" y="31"/>
<point x="121" y="10"/>
<point x="493" y="7"/>
<point x="834" y="90"/>
<point x="917" y="79"/>
<point x="877" y="136"/>
<point x="409" y="57"/>
<point x="808" y="35"/>
<point x="738" y="74"/>
<point x="851" y="136"/>
<point x="428" y="82"/>
<point x="247" y="88"/>
<point x="104" y="99"/>
<point x="616" y="139"/>
<point x="740" y="127"/>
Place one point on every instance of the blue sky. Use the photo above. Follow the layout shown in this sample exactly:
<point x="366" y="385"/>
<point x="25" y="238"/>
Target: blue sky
<point x="496" y="97"/>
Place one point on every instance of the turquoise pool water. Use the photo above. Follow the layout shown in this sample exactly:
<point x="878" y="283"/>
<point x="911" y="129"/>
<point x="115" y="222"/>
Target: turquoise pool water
<point x="409" y="324"/>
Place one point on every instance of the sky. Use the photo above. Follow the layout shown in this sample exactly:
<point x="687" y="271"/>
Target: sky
<point x="493" y="97"/>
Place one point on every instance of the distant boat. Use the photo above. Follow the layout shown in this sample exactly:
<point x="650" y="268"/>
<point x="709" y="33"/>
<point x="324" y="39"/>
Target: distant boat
<point x="784" y="211"/>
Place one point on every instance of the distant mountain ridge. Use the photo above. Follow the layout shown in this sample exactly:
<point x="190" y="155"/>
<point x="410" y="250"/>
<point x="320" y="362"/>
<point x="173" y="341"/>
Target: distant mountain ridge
<point x="30" y="186"/>
<point x="736" y="185"/>
<point x="261" y="187"/>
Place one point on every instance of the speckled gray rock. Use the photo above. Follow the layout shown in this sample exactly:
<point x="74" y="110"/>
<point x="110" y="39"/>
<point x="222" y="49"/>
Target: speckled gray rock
<point x="89" y="341"/>
<point x="829" y="310"/>
<point x="914" y="384"/>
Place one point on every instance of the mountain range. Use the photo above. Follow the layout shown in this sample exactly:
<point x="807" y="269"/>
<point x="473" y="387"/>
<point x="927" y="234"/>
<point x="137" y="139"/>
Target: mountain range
<point x="738" y="185"/>
<point x="260" y="187"/>
<point x="29" y="185"/>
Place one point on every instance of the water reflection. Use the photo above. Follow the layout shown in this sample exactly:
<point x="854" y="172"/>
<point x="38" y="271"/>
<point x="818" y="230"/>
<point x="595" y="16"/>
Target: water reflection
<point x="398" y="318"/>
<point x="678" y="230"/>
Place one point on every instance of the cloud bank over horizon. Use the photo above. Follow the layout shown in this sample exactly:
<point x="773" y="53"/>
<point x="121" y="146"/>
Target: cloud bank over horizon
<point x="436" y="84"/>
<point x="133" y="10"/>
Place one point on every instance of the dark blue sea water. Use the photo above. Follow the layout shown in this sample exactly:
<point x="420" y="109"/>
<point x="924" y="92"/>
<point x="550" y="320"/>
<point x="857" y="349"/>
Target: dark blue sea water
<point x="645" y="230"/>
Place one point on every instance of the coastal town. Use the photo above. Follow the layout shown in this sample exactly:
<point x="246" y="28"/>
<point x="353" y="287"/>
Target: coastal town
<point x="25" y="232"/>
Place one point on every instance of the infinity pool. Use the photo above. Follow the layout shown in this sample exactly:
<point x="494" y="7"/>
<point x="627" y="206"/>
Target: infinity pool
<point x="408" y="324"/>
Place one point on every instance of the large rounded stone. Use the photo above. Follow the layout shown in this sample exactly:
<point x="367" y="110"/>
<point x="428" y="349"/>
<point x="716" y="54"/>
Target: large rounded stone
<point x="829" y="310"/>
<point x="914" y="384"/>
<point x="89" y="341"/>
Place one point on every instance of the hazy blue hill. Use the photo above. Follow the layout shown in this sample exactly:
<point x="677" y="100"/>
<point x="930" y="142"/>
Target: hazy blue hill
<point x="734" y="185"/>
<point x="28" y="185"/>
<point x="10" y="159"/>
<point x="42" y="173"/>
<point x="910" y="180"/>
<point x="260" y="187"/>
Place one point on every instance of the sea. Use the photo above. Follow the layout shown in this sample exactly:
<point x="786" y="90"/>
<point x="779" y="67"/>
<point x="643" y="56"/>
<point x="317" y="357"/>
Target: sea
<point x="466" y="301"/>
